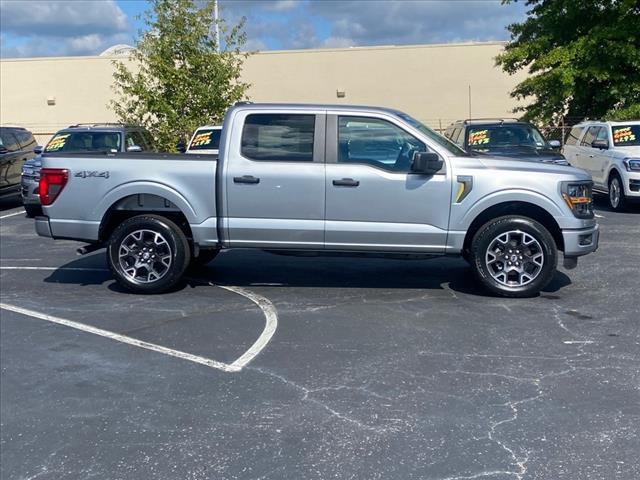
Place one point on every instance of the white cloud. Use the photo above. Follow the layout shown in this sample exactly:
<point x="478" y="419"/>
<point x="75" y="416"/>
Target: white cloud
<point x="338" y="42"/>
<point x="62" y="18"/>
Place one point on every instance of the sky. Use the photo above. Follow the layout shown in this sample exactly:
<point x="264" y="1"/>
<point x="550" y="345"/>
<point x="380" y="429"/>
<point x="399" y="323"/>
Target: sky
<point x="37" y="28"/>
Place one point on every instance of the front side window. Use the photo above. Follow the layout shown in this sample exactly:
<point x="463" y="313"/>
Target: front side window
<point x="278" y="137"/>
<point x="376" y="142"/>
<point x="206" y="139"/>
<point x="441" y="140"/>
<point x="590" y="136"/>
<point x="136" y="139"/>
<point x="71" y="142"/>
<point x="626" y="135"/>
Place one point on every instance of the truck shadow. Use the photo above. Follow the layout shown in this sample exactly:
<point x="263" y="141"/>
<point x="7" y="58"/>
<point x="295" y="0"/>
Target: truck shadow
<point x="245" y="268"/>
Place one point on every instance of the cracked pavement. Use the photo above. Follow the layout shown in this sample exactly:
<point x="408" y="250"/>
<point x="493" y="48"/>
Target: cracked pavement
<point x="378" y="369"/>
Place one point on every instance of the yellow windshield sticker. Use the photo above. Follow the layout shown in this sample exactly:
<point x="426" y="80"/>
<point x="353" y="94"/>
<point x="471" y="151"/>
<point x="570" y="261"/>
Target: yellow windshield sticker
<point x="623" y="135"/>
<point x="57" y="143"/>
<point x="479" y="137"/>
<point x="201" y="139"/>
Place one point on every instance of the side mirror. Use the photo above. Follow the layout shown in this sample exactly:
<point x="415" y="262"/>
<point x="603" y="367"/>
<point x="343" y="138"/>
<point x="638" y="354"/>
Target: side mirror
<point x="181" y="146"/>
<point x="554" y="143"/>
<point x="134" y="148"/>
<point x="601" y="144"/>
<point x="426" y="163"/>
<point x="38" y="150"/>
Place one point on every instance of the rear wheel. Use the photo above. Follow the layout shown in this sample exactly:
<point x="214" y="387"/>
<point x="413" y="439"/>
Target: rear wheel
<point x="514" y="256"/>
<point x="617" y="199"/>
<point x="148" y="254"/>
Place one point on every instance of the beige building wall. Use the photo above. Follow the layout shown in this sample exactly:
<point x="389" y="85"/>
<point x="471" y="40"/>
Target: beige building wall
<point x="434" y="83"/>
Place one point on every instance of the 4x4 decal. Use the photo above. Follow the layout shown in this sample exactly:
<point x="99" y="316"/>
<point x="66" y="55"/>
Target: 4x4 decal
<point x="88" y="174"/>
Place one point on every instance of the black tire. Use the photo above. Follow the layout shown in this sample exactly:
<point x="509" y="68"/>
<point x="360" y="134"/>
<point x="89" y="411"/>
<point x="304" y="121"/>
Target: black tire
<point x="162" y="240"/>
<point x="203" y="258"/>
<point x="487" y="256"/>
<point x="616" y="197"/>
<point x="33" y="210"/>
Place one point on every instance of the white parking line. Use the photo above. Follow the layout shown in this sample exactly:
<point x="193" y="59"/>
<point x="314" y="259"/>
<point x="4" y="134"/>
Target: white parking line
<point x="49" y="269"/>
<point x="268" y="309"/>
<point x="599" y="216"/>
<point x="12" y="214"/>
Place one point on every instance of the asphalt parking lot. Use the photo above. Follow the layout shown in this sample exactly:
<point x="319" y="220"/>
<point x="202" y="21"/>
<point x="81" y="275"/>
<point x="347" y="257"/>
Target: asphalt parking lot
<point x="269" y="367"/>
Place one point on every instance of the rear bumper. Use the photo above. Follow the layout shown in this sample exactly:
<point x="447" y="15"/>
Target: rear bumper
<point x="43" y="228"/>
<point x="580" y="241"/>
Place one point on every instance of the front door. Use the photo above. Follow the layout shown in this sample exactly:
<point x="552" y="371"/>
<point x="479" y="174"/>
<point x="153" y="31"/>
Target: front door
<point x="374" y="202"/>
<point x="275" y="182"/>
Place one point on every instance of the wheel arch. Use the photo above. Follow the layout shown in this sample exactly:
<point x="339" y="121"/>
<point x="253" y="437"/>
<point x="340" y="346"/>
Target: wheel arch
<point x="521" y="208"/>
<point x="139" y="204"/>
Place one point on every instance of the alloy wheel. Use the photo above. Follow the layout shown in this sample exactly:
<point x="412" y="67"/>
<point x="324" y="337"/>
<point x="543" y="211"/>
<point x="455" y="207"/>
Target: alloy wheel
<point x="514" y="258"/>
<point x="144" y="256"/>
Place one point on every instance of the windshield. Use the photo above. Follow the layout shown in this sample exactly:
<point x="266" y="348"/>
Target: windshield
<point x="626" y="135"/>
<point x="206" y="139"/>
<point x="84" y="142"/>
<point x="436" y="137"/>
<point x="483" y="138"/>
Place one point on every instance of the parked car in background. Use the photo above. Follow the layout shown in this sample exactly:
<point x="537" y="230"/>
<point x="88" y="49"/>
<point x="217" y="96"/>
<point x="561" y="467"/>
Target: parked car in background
<point x="610" y="152"/>
<point x="205" y="140"/>
<point x="321" y="179"/>
<point x="501" y="137"/>
<point x="98" y="137"/>
<point x="16" y="148"/>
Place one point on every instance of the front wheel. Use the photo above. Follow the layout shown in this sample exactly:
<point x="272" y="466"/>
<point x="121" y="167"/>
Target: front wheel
<point x="148" y="254"/>
<point x="514" y="256"/>
<point x="617" y="199"/>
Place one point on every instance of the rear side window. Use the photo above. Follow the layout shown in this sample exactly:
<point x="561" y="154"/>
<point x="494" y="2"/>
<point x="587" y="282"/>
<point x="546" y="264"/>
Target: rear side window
<point x="8" y="141"/>
<point x="574" y="135"/>
<point x="206" y="139"/>
<point x="26" y="139"/>
<point x="278" y="137"/>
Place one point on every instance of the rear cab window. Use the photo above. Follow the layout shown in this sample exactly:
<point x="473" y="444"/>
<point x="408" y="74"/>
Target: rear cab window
<point x="278" y="137"/>
<point x="84" y="142"/>
<point x="206" y="139"/>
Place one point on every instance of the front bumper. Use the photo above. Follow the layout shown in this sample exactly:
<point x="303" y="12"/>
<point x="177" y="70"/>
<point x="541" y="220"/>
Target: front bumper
<point x="581" y="241"/>
<point x="43" y="228"/>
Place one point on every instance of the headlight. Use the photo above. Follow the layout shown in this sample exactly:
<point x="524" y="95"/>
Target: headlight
<point x="579" y="198"/>
<point x="632" y="164"/>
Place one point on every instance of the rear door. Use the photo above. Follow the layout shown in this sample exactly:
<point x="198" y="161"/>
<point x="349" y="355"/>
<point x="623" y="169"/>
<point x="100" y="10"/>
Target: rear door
<point x="374" y="201"/>
<point x="274" y="180"/>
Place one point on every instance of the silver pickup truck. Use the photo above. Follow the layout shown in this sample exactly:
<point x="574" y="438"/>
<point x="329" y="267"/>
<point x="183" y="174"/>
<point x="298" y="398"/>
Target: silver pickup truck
<point x="334" y="180"/>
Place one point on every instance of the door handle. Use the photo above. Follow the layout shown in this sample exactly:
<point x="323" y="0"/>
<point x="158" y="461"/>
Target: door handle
<point x="346" y="182"/>
<point x="246" y="179"/>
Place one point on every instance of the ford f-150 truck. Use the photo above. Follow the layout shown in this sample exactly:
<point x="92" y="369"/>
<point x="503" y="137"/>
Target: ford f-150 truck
<point x="334" y="180"/>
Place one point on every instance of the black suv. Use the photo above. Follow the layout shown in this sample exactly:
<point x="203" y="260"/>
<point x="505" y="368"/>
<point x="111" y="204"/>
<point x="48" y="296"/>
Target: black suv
<point x="16" y="147"/>
<point x="501" y="137"/>
<point x="95" y="137"/>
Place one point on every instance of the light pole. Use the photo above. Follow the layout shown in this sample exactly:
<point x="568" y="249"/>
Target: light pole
<point x="215" y="18"/>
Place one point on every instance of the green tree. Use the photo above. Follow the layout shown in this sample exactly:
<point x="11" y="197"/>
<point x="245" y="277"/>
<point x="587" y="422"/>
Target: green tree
<point x="178" y="78"/>
<point x="583" y="57"/>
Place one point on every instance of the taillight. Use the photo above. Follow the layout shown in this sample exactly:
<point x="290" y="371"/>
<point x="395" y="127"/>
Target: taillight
<point x="52" y="181"/>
